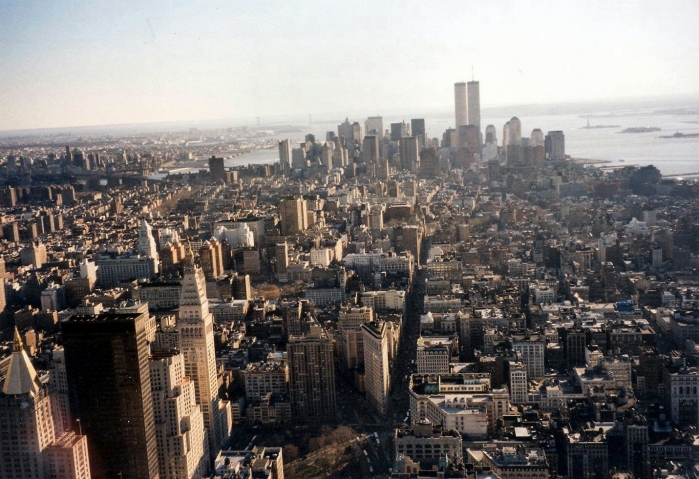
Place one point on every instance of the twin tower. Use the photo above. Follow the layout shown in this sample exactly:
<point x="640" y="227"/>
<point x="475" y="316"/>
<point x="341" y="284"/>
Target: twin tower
<point x="467" y="103"/>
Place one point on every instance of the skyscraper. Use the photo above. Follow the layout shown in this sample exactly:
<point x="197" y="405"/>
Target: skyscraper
<point x="285" y="155"/>
<point x="512" y="141"/>
<point x="292" y="212"/>
<point x="217" y="169"/>
<point x="196" y="329"/>
<point x="59" y="392"/>
<point x="370" y="149"/>
<point x="345" y="131"/>
<point x="26" y="424"/>
<point x="374" y="126"/>
<point x="312" y="375"/>
<point x="555" y="145"/>
<point x="429" y="163"/>
<point x="281" y="254"/>
<point x="183" y="446"/>
<point x="146" y="243"/>
<point x="67" y="458"/>
<point x="531" y="349"/>
<point x="409" y="153"/>
<point x="210" y="258"/>
<point x="474" y="104"/>
<point x="106" y="359"/>
<point x="417" y="129"/>
<point x="460" y="106"/>
<point x="398" y="131"/>
<point x="377" y="373"/>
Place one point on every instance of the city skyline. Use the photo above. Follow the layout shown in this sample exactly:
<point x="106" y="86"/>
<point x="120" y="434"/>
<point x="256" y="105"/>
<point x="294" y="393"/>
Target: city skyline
<point x="165" y="62"/>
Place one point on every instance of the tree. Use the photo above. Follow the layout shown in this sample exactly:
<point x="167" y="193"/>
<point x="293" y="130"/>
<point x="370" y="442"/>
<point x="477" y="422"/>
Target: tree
<point x="290" y="452"/>
<point x="268" y="291"/>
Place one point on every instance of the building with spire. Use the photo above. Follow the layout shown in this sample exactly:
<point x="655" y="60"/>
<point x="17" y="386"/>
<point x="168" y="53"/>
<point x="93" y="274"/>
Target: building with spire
<point x="196" y="331"/>
<point x="29" y="448"/>
<point x="26" y="423"/>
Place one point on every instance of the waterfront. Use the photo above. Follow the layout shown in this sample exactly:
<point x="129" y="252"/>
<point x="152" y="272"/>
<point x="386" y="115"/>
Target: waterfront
<point x="672" y="156"/>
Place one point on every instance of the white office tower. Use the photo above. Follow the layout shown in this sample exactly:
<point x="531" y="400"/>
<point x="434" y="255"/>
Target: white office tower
<point x="518" y="383"/>
<point x="237" y="235"/>
<point x="460" y="107"/>
<point x="374" y="126"/>
<point x="182" y="441"/>
<point x="146" y="243"/>
<point x="88" y="269"/>
<point x="168" y="235"/>
<point x="196" y="328"/>
<point x="378" y="375"/>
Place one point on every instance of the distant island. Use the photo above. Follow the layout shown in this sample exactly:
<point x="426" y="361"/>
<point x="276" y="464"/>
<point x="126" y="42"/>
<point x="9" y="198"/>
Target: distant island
<point x="681" y="135"/>
<point x="594" y="127"/>
<point x="640" y="129"/>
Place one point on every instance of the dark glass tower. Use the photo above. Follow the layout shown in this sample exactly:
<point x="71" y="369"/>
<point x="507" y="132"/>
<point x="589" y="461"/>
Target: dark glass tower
<point x="106" y="358"/>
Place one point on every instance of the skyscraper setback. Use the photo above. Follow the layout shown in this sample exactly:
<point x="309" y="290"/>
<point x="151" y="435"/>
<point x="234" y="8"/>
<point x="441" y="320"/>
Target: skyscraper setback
<point x="183" y="448"/>
<point x="196" y="331"/>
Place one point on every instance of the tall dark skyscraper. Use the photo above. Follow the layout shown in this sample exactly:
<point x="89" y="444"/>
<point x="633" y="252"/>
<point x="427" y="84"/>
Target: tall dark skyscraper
<point x="417" y="129"/>
<point x="312" y="375"/>
<point x="398" y="131"/>
<point x="555" y="144"/>
<point x="371" y="149"/>
<point x="409" y="153"/>
<point x="106" y="358"/>
<point x="217" y="169"/>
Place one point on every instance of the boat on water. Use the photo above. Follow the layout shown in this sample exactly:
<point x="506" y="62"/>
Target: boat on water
<point x="681" y="135"/>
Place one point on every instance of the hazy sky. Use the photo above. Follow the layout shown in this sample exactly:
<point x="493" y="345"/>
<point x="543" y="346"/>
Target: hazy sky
<point x="69" y="63"/>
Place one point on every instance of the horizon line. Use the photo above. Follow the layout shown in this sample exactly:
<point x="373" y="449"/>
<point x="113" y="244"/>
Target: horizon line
<point x="254" y="118"/>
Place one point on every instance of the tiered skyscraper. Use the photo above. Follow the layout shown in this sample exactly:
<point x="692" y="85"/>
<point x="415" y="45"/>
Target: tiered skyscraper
<point x="183" y="446"/>
<point x="196" y="330"/>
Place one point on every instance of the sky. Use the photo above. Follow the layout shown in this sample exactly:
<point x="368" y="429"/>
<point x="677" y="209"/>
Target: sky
<point x="75" y="63"/>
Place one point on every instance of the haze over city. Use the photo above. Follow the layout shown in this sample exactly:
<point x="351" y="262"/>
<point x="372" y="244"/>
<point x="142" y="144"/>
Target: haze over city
<point x="396" y="240"/>
<point x="97" y="63"/>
